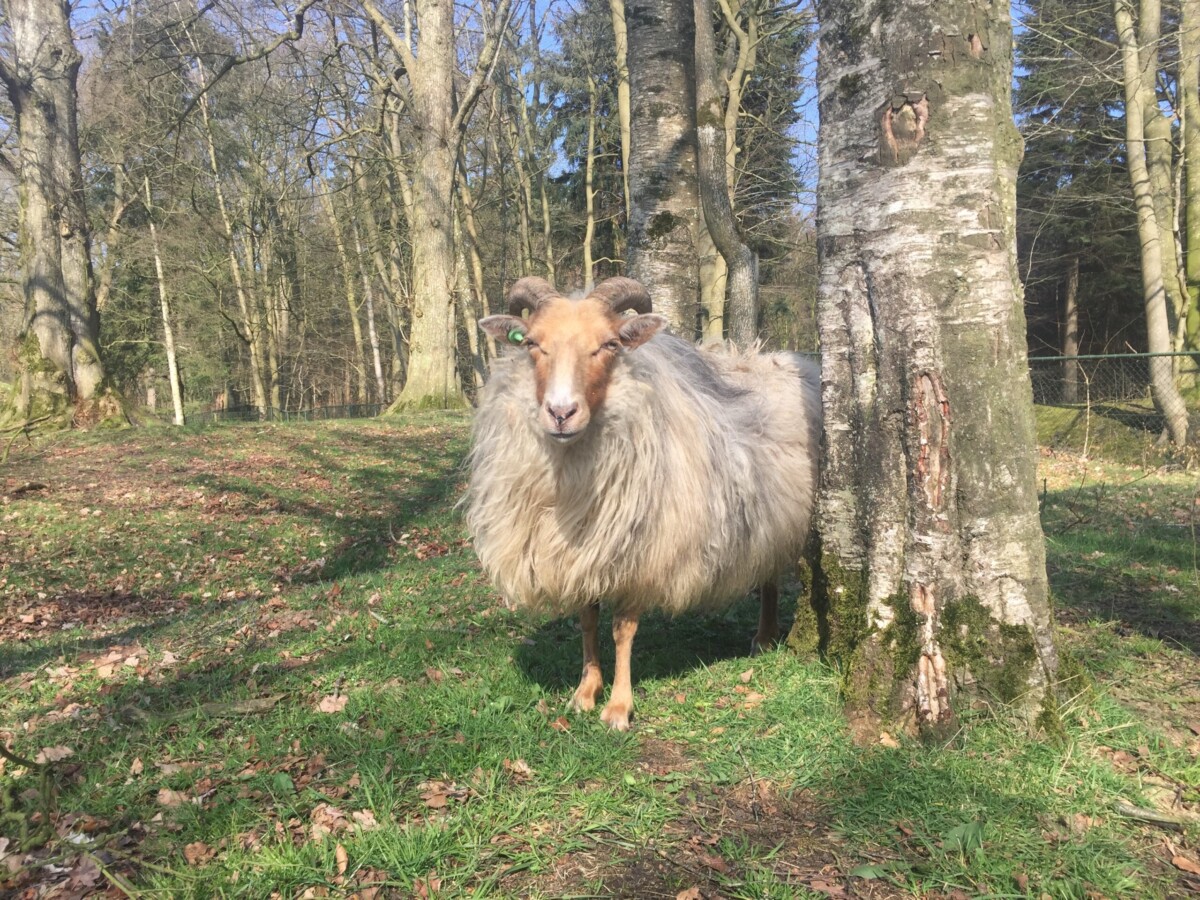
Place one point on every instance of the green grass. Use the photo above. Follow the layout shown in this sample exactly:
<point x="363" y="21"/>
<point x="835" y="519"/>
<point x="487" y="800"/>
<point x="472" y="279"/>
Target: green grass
<point x="278" y="668"/>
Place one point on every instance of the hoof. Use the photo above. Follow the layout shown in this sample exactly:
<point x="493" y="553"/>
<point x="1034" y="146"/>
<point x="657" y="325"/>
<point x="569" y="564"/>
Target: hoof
<point x="582" y="701"/>
<point x="616" y="717"/>
<point x="760" y="645"/>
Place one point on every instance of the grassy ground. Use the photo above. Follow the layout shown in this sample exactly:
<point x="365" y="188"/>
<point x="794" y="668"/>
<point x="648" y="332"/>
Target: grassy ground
<point x="266" y="662"/>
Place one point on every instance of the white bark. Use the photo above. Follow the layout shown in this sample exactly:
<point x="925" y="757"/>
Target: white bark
<point x="928" y="498"/>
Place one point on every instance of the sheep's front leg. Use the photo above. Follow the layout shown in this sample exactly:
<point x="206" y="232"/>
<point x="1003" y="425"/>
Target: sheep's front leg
<point x="620" y="704"/>
<point x="768" y="619"/>
<point x="591" y="685"/>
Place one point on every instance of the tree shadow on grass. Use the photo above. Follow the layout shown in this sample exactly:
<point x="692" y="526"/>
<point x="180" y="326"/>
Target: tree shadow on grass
<point x="1107" y="560"/>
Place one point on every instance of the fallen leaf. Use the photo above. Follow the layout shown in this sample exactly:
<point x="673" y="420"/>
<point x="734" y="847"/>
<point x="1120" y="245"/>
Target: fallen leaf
<point x="365" y="819"/>
<point x="333" y="703"/>
<point x="561" y="724"/>
<point x="886" y="740"/>
<point x="84" y="877"/>
<point x="714" y="862"/>
<point x="1184" y="864"/>
<point x="519" y="768"/>
<point x="434" y="675"/>
<point x="427" y="887"/>
<point x="692" y="893"/>
<point x="53" y="755"/>
<point x="343" y="860"/>
<point x="434" y="799"/>
<point x="198" y="853"/>
<point x="168" y="797"/>
<point x="326" y="820"/>
<point x="136" y="767"/>
<point x="746" y="676"/>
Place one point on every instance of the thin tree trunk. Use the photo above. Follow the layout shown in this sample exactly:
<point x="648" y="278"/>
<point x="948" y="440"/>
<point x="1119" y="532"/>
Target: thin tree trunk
<point x="589" y="190"/>
<point x="369" y="301"/>
<point x="528" y="128"/>
<point x="621" y="39"/>
<point x="664" y="219"/>
<point x="929" y="578"/>
<point x="742" y="274"/>
<point x="1158" y="328"/>
<point x="1189" y="89"/>
<point x="165" y="306"/>
<point x="251" y="331"/>
<point x="468" y="313"/>
<point x="1070" y="333"/>
<point x="471" y="236"/>
<point x="359" y="363"/>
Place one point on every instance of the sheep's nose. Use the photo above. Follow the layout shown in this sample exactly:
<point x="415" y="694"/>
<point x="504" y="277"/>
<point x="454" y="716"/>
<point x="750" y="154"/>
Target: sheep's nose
<point x="562" y="413"/>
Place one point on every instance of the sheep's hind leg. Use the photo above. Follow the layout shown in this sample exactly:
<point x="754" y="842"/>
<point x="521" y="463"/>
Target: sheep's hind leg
<point x="768" y="619"/>
<point x="591" y="685"/>
<point x="620" y="704"/>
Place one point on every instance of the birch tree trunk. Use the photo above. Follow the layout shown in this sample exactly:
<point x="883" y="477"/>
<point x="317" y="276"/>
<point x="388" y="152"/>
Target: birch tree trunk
<point x="664" y="218"/>
<point x="165" y="308"/>
<point x="621" y="39"/>
<point x="1154" y="294"/>
<point x="364" y="265"/>
<point x="60" y="376"/>
<point x="1189" y="89"/>
<point x="929" y="576"/>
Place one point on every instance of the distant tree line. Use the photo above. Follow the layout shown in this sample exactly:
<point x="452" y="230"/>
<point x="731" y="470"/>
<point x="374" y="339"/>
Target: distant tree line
<point x="311" y="203"/>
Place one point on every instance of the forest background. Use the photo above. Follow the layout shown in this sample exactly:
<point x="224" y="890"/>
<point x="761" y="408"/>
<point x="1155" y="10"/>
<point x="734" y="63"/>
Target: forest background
<point x="253" y="194"/>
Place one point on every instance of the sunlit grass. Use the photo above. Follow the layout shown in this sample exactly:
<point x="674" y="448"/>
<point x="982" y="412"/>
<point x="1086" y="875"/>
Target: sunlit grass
<point x="273" y="642"/>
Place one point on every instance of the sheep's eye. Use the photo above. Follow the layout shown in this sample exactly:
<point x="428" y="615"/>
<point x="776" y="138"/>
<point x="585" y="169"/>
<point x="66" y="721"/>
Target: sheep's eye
<point x="610" y="346"/>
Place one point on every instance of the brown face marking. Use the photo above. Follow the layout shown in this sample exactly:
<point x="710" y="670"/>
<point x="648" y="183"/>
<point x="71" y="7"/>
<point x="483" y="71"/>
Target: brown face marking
<point x="574" y="346"/>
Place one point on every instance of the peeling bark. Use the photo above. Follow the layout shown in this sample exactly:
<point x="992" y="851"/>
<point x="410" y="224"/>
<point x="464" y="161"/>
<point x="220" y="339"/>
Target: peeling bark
<point x="929" y="579"/>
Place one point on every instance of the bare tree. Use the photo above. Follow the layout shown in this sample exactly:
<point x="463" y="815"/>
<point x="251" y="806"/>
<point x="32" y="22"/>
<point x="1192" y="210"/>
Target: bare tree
<point x="439" y="115"/>
<point x="61" y="375"/>
<point x="1142" y="119"/>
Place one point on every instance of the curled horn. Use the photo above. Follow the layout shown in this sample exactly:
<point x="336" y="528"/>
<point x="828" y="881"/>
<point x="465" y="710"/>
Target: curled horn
<point x="529" y="293"/>
<point x="622" y="294"/>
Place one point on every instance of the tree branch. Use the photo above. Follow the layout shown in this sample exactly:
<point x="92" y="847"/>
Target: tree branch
<point x="489" y="56"/>
<point x="292" y="34"/>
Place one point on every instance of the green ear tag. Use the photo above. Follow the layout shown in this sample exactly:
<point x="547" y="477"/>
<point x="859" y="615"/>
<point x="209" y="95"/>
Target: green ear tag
<point x="516" y="336"/>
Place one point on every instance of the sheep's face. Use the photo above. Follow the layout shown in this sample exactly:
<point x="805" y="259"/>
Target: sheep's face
<point x="573" y="347"/>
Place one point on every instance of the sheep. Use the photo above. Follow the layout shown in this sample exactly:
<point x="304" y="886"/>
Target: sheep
<point x="614" y="462"/>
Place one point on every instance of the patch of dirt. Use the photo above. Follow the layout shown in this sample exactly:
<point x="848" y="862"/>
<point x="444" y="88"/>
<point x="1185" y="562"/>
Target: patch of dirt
<point x="786" y="831"/>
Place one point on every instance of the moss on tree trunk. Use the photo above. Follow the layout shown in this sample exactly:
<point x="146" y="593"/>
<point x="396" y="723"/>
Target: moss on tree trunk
<point x="928" y="582"/>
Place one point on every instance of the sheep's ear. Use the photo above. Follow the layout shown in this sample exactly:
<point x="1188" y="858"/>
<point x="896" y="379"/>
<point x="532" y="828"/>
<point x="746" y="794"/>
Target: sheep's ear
<point x="505" y="328"/>
<point x="636" y="330"/>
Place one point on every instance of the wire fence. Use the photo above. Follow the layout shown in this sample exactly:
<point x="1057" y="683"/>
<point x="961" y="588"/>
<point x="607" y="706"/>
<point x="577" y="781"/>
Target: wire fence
<point x="1116" y="385"/>
<point x="316" y="414"/>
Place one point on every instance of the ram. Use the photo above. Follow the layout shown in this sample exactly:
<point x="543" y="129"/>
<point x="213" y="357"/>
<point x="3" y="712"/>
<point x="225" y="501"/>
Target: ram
<point x="613" y="462"/>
